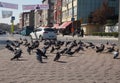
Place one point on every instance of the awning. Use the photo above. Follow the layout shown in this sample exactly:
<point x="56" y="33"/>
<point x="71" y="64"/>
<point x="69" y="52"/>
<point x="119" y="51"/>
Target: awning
<point x="56" y="26"/>
<point x="65" y="24"/>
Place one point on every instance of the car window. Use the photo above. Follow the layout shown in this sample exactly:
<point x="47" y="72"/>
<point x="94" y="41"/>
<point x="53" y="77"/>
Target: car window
<point x="38" y="30"/>
<point x="49" y="29"/>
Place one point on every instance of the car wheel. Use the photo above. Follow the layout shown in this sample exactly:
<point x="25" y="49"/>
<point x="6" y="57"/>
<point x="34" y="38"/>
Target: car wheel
<point x="40" y="38"/>
<point x="55" y="39"/>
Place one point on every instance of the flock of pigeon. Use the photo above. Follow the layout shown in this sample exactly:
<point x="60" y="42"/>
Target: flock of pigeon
<point x="60" y="48"/>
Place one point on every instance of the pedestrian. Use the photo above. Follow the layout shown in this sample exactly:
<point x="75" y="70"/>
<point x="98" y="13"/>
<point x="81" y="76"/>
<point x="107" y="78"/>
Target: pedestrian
<point x="82" y="32"/>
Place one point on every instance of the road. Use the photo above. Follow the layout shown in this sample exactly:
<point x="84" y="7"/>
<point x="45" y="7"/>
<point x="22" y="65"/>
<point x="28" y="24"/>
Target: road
<point x="84" y="67"/>
<point x="94" y="39"/>
<point x="3" y="39"/>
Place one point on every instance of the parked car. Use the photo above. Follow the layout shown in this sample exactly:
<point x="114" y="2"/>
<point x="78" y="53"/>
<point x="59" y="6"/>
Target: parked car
<point x="2" y="32"/>
<point x="16" y="32"/>
<point x="26" y="30"/>
<point x="43" y="33"/>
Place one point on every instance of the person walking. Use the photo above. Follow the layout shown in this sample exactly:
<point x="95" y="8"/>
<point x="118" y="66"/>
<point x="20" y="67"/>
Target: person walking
<point x="82" y="32"/>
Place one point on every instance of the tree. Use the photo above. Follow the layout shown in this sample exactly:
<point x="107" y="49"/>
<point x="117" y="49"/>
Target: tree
<point x="101" y="15"/>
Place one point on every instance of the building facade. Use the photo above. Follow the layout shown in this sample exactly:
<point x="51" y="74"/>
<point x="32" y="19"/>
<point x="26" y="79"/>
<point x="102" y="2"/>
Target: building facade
<point x="69" y="10"/>
<point x="58" y="12"/>
<point x="85" y="7"/>
<point x="27" y="19"/>
<point x="48" y="15"/>
<point x="37" y="18"/>
<point x="81" y="9"/>
<point x="20" y="21"/>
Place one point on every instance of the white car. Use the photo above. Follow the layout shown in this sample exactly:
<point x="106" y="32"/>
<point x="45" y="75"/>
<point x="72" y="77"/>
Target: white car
<point x="43" y="33"/>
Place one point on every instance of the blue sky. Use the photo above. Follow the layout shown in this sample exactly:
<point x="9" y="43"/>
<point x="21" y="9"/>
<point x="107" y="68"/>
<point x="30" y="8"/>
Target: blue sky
<point x="16" y="12"/>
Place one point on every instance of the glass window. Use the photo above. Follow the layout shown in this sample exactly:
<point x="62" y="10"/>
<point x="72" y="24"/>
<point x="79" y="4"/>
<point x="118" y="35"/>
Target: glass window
<point x="70" y="12"/>
<point x="49" y="29"/>
<point x="75" y="10"/>
<point x="38" y="30"/>
<point x="63" y="14"/>
<point x="70" y="1"/>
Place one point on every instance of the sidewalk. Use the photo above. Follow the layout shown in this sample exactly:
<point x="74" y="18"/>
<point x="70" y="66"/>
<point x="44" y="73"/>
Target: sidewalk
<point x="69" y="37"/>
<point x="89" y="37"/>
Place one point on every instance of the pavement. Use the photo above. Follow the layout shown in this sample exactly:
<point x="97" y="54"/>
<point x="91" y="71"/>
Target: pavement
<point x="90" y="37"/>
<point x="83" y="67"/>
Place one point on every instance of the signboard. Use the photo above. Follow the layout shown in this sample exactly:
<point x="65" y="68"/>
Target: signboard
<point x="12" y="18"/>
<point x="38" y="6"/>
<point x="8" y="5"/>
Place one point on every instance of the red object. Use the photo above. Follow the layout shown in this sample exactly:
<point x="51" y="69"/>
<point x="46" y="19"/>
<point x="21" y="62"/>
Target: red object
<point x="72" y="29"/>
<point x="65" y="24"/>
<point x="56" y="26"/>
<point x="57" y="11"/>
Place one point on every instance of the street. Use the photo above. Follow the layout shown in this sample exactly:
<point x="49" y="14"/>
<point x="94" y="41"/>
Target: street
<point x="84" y="67"/>
<point x="3" y="39"/>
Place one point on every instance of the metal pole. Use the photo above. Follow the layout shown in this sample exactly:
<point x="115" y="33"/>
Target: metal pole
<point x="12" y="27"/>
<point x="72" y="19"/>
<point x="119" y="29"/>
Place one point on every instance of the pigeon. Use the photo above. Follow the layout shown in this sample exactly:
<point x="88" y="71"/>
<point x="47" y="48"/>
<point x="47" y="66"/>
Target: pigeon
<point x="39" y="55"/>
<point x="29" y="49"/>
<point x="44" y="50"/>
<point x="67" y="43"/>
<point x="39" y="52"/>
<point x="63" y="51"/>
<point x="70" y="53"/>
<point x="116" y="53"/>
<point x="111" y="49"/>
<point x="74" y="43"/>
<point x="90" y="45"/>
<point x="58" y="47"/>
<point x="100" y="49"/>
<point x="78" y="49"/>
<point x="107" y="43"/>
<point x="80" y="42"/>
<point x="17" y="53"/>
<point x="9" y="47"/>
<point x="20" y="41"/>
<point x="35" y="44"/>
<point x="52" y="49"/>
<point x="57" y="57"/>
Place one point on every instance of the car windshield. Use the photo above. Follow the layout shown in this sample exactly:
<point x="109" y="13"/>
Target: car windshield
<point x="49" y="29"/>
